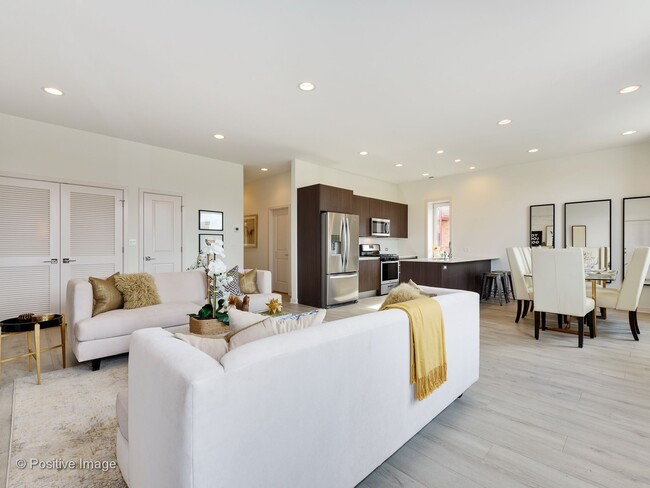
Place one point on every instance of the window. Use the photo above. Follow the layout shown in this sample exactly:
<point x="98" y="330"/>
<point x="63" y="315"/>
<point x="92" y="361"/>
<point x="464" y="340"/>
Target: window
<point x="439" y="229"/>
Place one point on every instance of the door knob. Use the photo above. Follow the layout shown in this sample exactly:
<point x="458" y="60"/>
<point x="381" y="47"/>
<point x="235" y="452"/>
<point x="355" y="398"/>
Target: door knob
<point x="149" y="258"/>
<point x="52" y="261"/>
<point x="68" y="260"/>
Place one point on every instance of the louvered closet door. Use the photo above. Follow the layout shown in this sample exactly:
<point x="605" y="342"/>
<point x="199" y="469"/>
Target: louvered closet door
<point x="29" y="247"/>
<point x="91" y="233"/>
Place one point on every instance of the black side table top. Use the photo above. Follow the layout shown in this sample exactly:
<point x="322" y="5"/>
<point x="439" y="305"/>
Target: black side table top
<point x="18" y="325"/>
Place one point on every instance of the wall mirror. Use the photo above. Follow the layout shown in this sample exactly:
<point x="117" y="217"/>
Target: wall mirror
<point x="589" y="224"/>
<point x="542" y="225"/>
<point x="636" y="228"/>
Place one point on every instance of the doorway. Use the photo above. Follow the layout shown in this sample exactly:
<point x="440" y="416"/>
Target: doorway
<point x="279" y="249"/>
<point x="162" y="236"/>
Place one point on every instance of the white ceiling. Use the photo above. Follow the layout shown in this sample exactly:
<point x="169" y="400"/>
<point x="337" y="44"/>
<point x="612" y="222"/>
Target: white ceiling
<point x="399" y="79"/>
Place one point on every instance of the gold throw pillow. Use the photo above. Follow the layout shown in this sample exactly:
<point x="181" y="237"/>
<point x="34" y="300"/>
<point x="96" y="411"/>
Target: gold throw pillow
<point x="138" y="289"/>
<point x="248" y="282"/>
<point x="106" y="295"/>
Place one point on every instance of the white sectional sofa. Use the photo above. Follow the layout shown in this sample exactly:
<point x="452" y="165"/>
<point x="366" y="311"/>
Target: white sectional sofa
<point x="318" y="407"/>
<point x="109" y="333"/>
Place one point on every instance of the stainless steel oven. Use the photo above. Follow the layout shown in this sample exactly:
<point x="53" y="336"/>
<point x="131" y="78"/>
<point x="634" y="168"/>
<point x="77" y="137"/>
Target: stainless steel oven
<point x="389" y="272"/>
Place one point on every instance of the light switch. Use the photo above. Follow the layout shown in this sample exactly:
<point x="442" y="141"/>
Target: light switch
<point x="133" y="242"/>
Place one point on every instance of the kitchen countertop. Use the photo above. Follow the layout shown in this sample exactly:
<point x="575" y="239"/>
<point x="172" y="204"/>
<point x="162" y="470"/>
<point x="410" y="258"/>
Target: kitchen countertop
<point x="402" y="258"/>
<point x="368" y="258"/>
<point x="449" y="261"/>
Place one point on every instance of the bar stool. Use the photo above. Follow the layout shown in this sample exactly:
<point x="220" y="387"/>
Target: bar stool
<point x="509" y="289"/>
<point x="491" y="283"/>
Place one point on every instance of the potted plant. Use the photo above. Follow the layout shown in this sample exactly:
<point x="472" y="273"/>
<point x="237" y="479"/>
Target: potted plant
<point x="212" y="318"/>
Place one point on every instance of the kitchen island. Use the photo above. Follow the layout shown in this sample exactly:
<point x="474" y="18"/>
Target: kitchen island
<point x="463" y="273"/>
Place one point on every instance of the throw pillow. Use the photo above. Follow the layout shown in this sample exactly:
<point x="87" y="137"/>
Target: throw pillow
<point x="248" y="282"/>
<point x="401" y="293"/>
<point x="425" y="293"/>
<point x="239" y="319"/>
<point x="138" y="289"/>
<point x="213" y="346"/>
<point x="251" y="333"/>
<point x="233" y="286"/>
<point x="301" y="321"/>
<point x="106" y="296"/>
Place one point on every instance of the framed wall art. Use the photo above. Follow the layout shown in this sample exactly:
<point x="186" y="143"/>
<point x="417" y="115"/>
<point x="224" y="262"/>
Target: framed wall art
<point x="207" y="239"/>
<point x="250" y="230"/>
<point x="210" y="220"/>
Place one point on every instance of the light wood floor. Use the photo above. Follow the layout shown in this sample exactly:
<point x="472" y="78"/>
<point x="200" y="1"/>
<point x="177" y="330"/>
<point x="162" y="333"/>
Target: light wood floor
<point x="543" y="414"/>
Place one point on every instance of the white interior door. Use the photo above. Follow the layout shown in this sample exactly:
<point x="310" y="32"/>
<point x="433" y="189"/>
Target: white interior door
<point x="161" y="233"/>
<point x="280" y="239"/>
<point x="29" y="247"/>
<point x="91" y="233"/>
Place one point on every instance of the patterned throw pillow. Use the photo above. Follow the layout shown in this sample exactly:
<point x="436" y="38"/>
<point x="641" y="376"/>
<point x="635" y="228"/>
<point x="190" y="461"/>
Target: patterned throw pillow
<point x="233" y="286"/>
<point x="138" y="289"/>
<point x="107" y="297"/>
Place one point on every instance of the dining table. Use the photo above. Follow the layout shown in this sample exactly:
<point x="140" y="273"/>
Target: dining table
<point x="595" y="276"/>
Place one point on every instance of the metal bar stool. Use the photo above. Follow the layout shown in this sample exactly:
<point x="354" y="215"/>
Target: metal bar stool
<point x="490" y="285"/>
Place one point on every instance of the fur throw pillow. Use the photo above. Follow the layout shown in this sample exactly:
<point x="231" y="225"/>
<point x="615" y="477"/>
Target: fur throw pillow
<point x="138" y="290"/>
<point x="424" y="293"/>
<point x="401" y="293"/>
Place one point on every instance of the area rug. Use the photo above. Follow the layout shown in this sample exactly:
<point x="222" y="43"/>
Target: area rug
<point x="63" y="431"/>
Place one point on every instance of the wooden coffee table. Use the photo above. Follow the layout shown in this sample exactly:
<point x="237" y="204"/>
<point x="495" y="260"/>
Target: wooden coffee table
<point x="17" y="326"/>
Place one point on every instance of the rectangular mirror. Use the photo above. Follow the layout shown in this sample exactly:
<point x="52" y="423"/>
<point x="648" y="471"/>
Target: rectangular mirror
<point x="589" y="224"/>
<point x="636" y="228"/>
<point x="542" y="225"/>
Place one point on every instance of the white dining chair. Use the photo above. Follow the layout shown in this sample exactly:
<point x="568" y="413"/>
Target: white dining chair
<point x="627" y="297"/>
<point x="558" y="281"/>
<point x="522" y="285"/>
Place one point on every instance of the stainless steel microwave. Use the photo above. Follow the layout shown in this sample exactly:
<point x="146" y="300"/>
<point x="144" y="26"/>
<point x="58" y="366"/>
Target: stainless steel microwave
<point x="379" y="227"/>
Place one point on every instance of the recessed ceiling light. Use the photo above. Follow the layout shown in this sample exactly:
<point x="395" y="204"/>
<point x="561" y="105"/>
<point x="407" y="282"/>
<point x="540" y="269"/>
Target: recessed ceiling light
<point x="440" y="151"/>
<point x="628" y="132"/>
<point x="219" y="136"/>
<point x="264" y="169"/>
<point x="472" y="167"/>
<point x="307" y="86"/>
<point x="363" y="153"/>
<point x="398" y="165"/>
<point x="456" y="160"/>
<point x="52" y="91"/>
<point x="533" y="150"/>
<point x="629" y="89"/>
<point x="425" y="174"/>
<point x="504" y="122"/>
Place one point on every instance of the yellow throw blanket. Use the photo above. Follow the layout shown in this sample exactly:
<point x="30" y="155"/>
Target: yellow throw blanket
<point x="428" y="358"/>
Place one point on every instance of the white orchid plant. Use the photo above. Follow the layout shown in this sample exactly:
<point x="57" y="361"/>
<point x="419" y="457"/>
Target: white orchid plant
<point x="211" y="259"/>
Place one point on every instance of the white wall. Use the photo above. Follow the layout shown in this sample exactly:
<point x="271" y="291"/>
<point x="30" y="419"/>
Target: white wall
<point x="490" y="208"/>
<point x="50" y="152"/>
<point x="304" y="173"/>
<point x="260" y="196"/>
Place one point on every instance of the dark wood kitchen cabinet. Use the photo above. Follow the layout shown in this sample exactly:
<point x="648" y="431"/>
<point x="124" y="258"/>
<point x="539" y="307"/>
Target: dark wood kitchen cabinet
<point x="458" y="275"/>
<point x="362" y="209"/>
<point x="369" y="275"/>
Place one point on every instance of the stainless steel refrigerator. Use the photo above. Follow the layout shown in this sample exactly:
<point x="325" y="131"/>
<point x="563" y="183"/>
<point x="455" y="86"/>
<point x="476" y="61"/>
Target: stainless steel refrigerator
<point x="340" y="258"/>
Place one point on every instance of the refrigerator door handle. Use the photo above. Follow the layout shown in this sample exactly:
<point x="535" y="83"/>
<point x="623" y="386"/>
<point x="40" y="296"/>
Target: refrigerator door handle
<point x="344" y="238"/>
<point x="347" y="242"/>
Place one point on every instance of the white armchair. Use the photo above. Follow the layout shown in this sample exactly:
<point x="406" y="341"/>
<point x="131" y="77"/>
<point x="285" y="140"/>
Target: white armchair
<point x="627" y="297"/>
<point x="558" y="280"/>
<point x="522" y="285"/>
